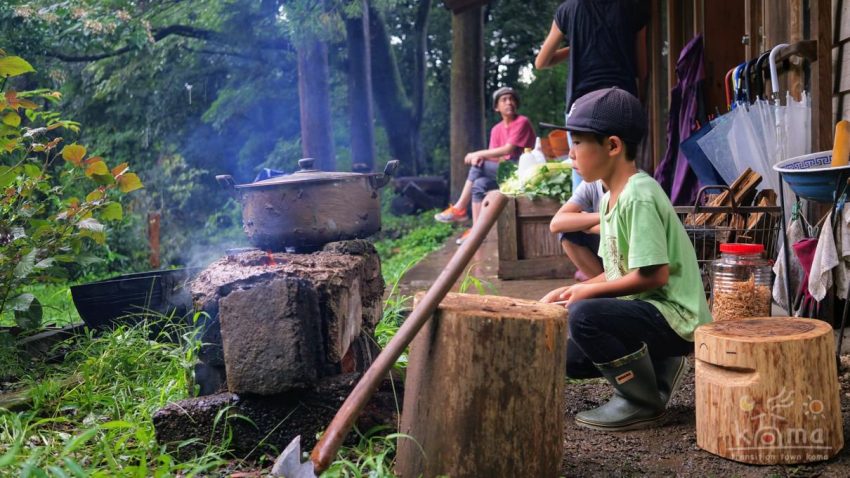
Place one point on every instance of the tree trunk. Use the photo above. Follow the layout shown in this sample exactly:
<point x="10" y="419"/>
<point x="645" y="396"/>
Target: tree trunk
<point x="484" y="390"/>
<point x="401" y="114"/>
<point x="360" y="92"/>
<point x="767" y="390"/>
<point x="316" y="138"/>
<point x="467" y="92"/>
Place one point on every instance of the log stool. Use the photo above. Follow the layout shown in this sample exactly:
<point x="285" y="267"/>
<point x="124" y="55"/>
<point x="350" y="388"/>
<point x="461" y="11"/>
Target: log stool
<point x="767" y="390"/>
<point x="484" y="390"/>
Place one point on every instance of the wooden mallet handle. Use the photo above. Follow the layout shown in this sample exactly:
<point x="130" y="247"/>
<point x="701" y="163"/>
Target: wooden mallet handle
<point x="327" y="447"/>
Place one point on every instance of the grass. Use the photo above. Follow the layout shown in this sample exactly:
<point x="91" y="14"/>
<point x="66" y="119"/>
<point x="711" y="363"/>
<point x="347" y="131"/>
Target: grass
<point x="92" y="414"/>
<point x="56" y="302"/>
<point x="407" y="240"/>
<point x="99" y="422"/>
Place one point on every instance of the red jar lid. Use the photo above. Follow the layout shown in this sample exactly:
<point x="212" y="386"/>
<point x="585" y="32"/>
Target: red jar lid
<point x="740" y="248"/>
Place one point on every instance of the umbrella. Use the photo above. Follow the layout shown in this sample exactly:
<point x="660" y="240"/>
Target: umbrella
<point x="792" y="121"/>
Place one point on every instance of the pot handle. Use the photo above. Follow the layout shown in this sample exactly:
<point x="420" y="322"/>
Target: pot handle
<point x="381" y="180"/>
<point x="227" y="183"/>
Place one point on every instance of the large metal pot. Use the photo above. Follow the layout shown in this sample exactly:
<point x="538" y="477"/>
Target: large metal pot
<point x="310" y="208"/>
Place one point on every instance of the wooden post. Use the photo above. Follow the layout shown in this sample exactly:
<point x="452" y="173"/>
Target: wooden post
<point x="484" y="390"/>
<point x="154" y="219"/>
<point x="767" y="390"/>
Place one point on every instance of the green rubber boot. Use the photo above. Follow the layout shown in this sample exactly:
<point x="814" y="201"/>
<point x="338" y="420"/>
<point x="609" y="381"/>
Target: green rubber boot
<point x="636" y="402"/>
<point x="669" y="373"/>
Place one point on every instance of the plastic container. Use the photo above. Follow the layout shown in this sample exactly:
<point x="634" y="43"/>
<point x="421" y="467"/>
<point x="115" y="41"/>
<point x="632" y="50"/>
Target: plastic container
<point x="529" y="159"/>
<point x="558" y="142"/>
<point x="537" y="152"/>
<point x="740" y="282"/>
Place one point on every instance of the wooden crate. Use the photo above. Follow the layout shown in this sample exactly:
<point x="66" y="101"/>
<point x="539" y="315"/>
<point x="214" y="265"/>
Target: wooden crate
<point x="527" y="249"/>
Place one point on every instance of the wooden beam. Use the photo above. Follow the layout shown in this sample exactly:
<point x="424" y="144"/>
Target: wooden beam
<point x="657" y="87"/>
<point x="753" y="27"/>
<point x="675" y="14"/>
<point x="822" y="81"/>
<point x="776" y="21"/>
<point x="796" y="75"/>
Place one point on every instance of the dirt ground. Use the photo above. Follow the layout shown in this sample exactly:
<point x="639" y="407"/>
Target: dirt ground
<point x="671" y="450"/>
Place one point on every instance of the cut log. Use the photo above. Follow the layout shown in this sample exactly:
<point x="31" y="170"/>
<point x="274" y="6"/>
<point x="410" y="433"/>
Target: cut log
<point x="484" y="390"/>
<point x="767" y="391"/>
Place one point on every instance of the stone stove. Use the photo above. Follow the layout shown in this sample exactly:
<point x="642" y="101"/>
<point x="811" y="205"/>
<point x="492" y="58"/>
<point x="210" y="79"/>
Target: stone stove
<point x="280" y="328"/>
<point x="280" y="321"/>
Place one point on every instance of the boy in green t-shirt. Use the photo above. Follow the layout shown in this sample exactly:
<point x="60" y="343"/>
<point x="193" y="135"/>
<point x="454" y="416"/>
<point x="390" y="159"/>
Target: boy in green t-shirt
<point x="633" y="324"/>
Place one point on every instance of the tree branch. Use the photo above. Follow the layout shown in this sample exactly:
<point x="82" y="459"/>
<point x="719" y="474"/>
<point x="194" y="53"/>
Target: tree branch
<point x="223" y="53"/>
<point x="158" y="34"/>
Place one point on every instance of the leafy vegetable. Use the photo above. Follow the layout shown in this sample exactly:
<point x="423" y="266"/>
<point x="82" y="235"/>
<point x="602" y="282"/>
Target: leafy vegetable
<point x="548" y="180"/>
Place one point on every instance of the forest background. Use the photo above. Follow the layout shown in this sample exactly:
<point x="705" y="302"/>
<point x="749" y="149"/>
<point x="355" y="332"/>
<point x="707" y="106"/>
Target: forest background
<point x="185" y="90"/>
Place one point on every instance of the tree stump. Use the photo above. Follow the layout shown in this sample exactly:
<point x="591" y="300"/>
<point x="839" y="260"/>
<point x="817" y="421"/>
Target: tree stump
<point x="484" y="390"/>
<point x="767" y="390"/>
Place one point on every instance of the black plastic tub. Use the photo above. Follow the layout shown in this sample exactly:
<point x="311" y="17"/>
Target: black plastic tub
<point x="131" y="298"/>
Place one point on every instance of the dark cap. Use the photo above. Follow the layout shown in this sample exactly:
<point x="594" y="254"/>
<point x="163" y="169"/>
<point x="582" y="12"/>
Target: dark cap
<point x="609" y="112"/>
<point x="505" y="90"/>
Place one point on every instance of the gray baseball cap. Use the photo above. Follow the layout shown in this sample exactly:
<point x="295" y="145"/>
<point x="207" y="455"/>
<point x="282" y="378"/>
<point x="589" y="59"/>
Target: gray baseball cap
<point x="505" y="90"/>
<point x="609" y="112"/>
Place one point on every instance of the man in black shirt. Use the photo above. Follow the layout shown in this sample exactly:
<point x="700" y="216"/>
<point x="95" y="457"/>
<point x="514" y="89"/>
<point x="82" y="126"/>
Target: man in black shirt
<point x="606" y="47"/>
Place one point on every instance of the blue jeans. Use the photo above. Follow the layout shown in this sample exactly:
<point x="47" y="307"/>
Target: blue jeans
<point x="602" y="330"/>
<point x="483" y="179"/>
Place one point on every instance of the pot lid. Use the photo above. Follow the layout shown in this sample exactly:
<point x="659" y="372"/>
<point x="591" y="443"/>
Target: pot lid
<point x="307" y="174"/>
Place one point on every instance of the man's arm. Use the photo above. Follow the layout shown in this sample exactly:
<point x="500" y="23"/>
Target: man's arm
<point x="635" y="282"/>
<point x="564" y="292"/>
<point x="571" y="218"/>
<point x="477" y="157"/>
<point x="550" y="55"/>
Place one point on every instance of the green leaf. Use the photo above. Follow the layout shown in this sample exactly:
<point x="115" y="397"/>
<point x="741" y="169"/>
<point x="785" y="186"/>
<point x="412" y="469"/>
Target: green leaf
<point x="94" y="195"/>
<point x="116" y="424"/>
<point x="74" y="153"/>
<point x="45" y="263"/>
<point x="129" y="182"/>
<point x="505" y="171"/>
<point x="14" y="66"/>
<point x="10" y="145"/>
<point x="79" y="440"/>
<point x="87" y="260"/>
<point x="32" y="171"/>
<point x="112" y="212"/>
<point x="103" y="179"/>
<point x="31" y="317"/>
<point x="75" y="468"/>
<point x="12" y="119"/>
<point x="97" y="168"/>
<point x="97" y="236"/>
<point x="25" y="267"/>
<point x="7" y="175"/>
<point x="11" y="455"/>
<point x="57" y="472"/>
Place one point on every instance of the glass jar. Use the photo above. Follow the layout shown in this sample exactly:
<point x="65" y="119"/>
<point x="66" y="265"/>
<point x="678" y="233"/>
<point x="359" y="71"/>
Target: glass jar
<point x="740" y="282"/>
